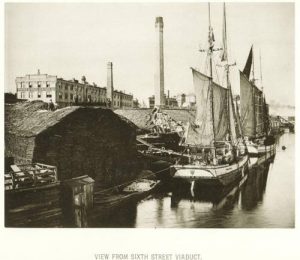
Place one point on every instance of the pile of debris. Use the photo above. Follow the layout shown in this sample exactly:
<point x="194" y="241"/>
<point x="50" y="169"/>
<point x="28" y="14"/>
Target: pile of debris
<point x="161" y="122"/>
<point x="158" y="120"/>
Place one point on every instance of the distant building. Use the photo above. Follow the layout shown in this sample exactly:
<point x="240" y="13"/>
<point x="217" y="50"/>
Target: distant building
<point x="190" y="101"/>
<point x="151" y="101"/>
<point x="170" y="102"/>
<point x="67" y="92"/>
<point x="122" y="99"/>
<point x="181" y="98"/>
<point x="179" y="101"/>
<point x="136" y="103"/>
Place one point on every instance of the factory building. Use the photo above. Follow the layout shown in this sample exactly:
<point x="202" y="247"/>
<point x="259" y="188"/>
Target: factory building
<point x="64" y="93"/>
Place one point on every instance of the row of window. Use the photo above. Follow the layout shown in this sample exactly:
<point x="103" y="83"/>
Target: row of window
<point x="31" y="95"/>
<point x="123" y="96"/>
<point x="30" y="85"/>
<point x="65" y="96"/>
<point x="80" y="88"/>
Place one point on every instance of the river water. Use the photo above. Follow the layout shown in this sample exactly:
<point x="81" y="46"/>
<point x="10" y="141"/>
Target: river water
<point x="265" y="200"/>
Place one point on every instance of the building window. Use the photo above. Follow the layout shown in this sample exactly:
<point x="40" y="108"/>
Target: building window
<point x="39" y="95"/>
<point x="66" y="95"/>
<point x="66" y="87"/>
<point x="71" y="96"/>
<point x="48" y="95"/>
<point x="22" y="95"/>
<point x="30" y="86"/>
<point x="60" y="96"/>
<point x="39" y="85"/>
<point x="47" y="85"/>
<point x="30" y="95"/>
<point x="71" y="87"/>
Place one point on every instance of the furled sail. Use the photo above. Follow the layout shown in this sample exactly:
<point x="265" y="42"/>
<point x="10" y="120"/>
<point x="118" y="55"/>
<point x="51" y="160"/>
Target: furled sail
<point x="252" y="116"/>
<point x="247" y="68"/>
<point x="202" y="132"/>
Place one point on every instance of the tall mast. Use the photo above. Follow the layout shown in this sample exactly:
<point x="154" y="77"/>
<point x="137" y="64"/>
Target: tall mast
<point x="230" y="103"/>
<point x="265" y="116"/>
<point x="261" y="79"/>
<point x="253" y="72"/>
<point x="210" y="53"/>
<point x="254" y="97"/>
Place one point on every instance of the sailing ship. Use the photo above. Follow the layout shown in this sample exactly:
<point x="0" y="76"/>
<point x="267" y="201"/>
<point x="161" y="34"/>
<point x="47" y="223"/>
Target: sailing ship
<point x="254" y="112"/>
<point x="217" y="154"/>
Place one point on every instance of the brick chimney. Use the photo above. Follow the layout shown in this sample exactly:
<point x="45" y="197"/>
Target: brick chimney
<point x="159" y="64"/>
<point x="110" y="84"/>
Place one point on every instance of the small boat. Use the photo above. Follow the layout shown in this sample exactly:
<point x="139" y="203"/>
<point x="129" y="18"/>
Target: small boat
<point x="214" y="143"/>
<point x="107" y="202"/>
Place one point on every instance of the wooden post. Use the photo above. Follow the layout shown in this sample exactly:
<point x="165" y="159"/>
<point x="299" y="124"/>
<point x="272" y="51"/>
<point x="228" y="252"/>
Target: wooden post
<point x="77" y="200"/>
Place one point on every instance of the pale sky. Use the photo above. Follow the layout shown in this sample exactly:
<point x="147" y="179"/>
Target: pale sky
<point x="71" y="40"/>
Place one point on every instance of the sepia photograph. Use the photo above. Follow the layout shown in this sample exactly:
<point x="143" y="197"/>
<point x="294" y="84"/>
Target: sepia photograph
<point x="149" y="115"/>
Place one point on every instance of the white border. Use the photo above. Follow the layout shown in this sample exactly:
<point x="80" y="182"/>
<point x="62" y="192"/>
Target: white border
<point x="212" y="244"/>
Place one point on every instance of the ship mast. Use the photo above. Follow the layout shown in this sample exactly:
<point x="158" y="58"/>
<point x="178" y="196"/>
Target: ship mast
<point x="261" y="78"/>
<point x="210" y="55"/>
<point x="230" y="104"/>
<point x="254" y="98"/>
<point x="265" y="116"/>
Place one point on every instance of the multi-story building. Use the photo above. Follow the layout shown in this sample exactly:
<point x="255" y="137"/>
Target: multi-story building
<point x="67" y="92"/>
<point x="170" y="102"/>
<point x="179" y="101"/>
<point x="186" y="101"/>
<point x="121" y="99"/>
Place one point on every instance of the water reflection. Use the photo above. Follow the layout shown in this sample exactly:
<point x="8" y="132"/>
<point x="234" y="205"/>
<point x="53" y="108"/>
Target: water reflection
<point x="254" y="189"/>
<point x="256" y="201"/>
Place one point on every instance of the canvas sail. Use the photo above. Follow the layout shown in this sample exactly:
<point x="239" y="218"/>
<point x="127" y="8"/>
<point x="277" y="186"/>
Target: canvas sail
<point x="248" y="65"/>
<point x="202" y="132"/>
<point x="232" y="119"/>
<point x="252" y="116"/>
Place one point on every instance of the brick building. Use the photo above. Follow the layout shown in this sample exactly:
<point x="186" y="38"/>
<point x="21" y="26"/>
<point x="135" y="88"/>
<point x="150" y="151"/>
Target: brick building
<point x="63" y="92"/>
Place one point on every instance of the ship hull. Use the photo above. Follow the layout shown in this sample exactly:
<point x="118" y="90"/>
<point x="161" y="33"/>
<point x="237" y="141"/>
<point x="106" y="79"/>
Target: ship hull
<point x="211" y="175"/>
<point x="259" y="150"/>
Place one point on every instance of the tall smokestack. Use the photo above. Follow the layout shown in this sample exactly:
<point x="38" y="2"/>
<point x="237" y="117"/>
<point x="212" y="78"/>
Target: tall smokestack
<point x="159" y="66"/>
<point x="110" y="84"/>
